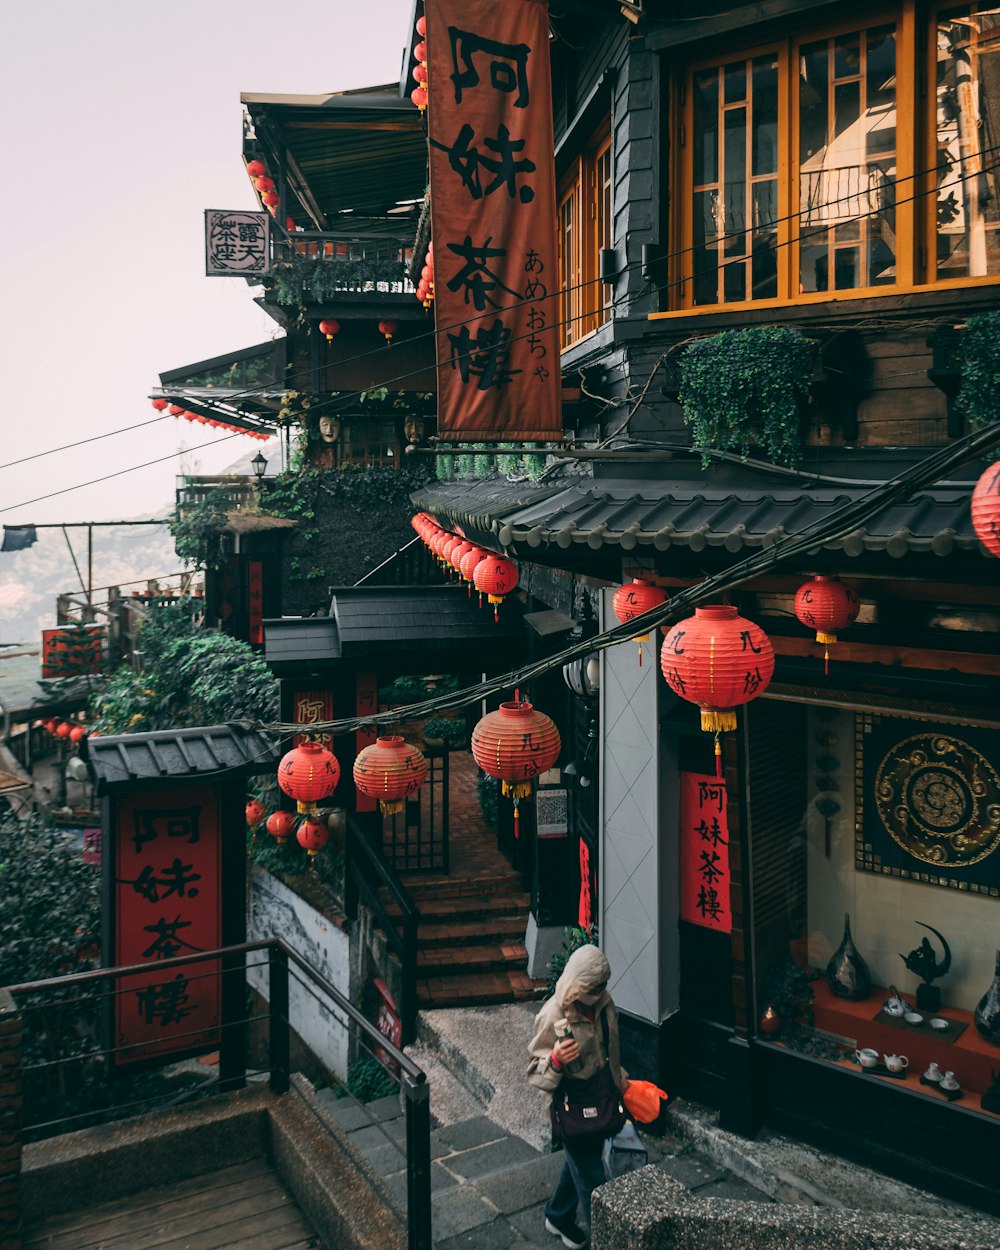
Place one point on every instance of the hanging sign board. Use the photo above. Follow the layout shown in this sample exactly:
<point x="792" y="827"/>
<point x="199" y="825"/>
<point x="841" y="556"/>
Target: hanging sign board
<point x="493" y="219"/>
<point x="236" y="244"/>
<point x="312" y="707"/>
<point x="704" y="852"/>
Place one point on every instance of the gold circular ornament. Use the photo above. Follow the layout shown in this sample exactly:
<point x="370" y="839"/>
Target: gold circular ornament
<point x="939" y="799"/>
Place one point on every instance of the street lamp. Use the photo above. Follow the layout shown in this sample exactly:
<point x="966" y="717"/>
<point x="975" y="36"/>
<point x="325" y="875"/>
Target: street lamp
<point x="259" y="466"/>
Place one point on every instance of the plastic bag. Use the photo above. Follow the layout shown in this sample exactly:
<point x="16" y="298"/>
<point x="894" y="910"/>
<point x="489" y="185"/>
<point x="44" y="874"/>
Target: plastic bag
<point x="642" y="1100"/>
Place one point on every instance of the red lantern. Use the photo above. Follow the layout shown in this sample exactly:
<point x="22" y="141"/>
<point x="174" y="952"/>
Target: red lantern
<point x="271" y="199"/>
<point x="256" y="168"/>
<point x="420" y="73"/>
<point x="263" y="183"/>
<point x="458" y="554"/>
<point x="313" y="835"/>
<point x="420" y="52"/>
<point x="160" y="404"/>
<point x="290" y="224"/>
<point x="719" y="660"/>
<point x="495" y="577"/>
<point x="63" y="730"/>
<point x="826" y="605"/>
<point x="421" y="26"/>
<point x="390" y="770"/>
<point x="388" y="328"/>
<point x="469" y="563"/>
<point x="986" y="510"/>
<point x="280" y="825"/>
<point x="255" y="813"/>
<point x="307" y="773"/>
<point x="329" y="329"/>
<point x="175" y="410"/>
<point x="77" y="734"/>
<point x="635" y="599"/>
<point x="515" y="744"/>
<point x="418" y="96"/>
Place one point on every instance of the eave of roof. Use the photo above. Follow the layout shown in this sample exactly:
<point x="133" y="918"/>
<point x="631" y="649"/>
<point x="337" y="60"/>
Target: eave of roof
<point x="122" y="761"/>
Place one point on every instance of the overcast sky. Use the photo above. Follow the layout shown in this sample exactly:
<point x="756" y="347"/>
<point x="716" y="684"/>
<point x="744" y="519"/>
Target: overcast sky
<point x="122" y="125"/>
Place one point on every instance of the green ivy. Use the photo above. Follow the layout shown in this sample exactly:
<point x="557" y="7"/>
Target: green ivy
<point x="978" y="358"/>
<point x="744" y="389"/>
<point x="197" y="529"/>
<point x="300" y="280"/>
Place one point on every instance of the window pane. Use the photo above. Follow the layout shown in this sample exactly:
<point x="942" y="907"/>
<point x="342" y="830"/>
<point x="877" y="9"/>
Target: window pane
<point x="705" y="93"/>
<point x="736" y="83"/>
<point x="765" y="115"/>
<point x="705" y="250"/>
<point x="847" y="147"/>
<point x="968" y="109"/>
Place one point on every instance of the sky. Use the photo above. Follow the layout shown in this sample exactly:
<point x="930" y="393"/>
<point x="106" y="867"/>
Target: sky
<point x="122" y="125"/>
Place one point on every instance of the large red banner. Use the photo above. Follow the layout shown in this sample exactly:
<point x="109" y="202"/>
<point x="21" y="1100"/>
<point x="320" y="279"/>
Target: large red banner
<point x="493" y="219"/>
<point x="168" y="883"/>
<point x="705" y="852"/>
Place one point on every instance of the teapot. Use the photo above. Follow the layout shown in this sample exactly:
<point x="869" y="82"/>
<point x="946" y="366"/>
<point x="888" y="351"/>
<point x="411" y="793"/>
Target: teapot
<point x="896" y="1063"/>
<point x="895" y="1004"/>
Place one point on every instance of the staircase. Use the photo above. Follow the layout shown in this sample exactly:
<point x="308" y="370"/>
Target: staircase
<point x="471" y="940"/>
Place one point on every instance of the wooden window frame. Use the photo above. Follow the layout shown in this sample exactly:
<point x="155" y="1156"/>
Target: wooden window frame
<point x="915" y="259"/>
<point x="584" y="305"/>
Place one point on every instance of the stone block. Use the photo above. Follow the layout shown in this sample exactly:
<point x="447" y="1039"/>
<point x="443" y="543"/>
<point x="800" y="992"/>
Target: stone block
<point x="469" y="1133"/>
<point x="482" y="1160"/>
<point x="524" y="1185"/>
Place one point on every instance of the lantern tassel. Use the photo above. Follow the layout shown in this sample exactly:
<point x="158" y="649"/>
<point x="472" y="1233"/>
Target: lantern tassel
<point x="640" y="655"/>
<point x="718" y="757"/>
<point x="826" y="661"/>
<point x="496" y="615"/>
<point x="715" y="720"/>
<point x="517" y="822"/>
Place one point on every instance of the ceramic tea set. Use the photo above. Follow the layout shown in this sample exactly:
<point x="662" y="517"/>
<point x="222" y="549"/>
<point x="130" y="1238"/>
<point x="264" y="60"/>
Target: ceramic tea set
<point x="897" y="1006"/>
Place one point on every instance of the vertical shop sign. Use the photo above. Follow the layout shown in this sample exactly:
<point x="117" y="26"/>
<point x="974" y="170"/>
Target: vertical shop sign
<point x="366" y="703"/>
<point x="585" y="911"/>
<point x="312" y="707"/>
<point x="168" y="888"/>
<point x="255" y="600"/>
<point x="493" y="219"/>
<point x="704" y="852"/>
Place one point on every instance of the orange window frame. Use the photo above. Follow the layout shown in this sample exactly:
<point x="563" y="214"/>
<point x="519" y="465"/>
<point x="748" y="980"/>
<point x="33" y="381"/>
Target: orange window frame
<point x="584" y="225"/>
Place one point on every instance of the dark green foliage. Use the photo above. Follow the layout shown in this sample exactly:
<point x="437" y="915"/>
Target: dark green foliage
<point x="367" y="1080"/>
<point x="191" y="676"/>
<point x="573" y="939"/>
<point x="197" y="531"/>
<point x="488" y="791"/>
<point x="449" y="729"/>
<point x="301" y="280"/>
<point x="978" y="357"/>
<point x="745" y="388"/>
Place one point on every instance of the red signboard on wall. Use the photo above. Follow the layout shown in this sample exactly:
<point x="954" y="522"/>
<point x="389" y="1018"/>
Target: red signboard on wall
<point x="312" y="707"/>
<point x="168" y="885"/>
<point x="255" y="601"/>
<point x="493" y="219"/>
<point x="71" y="650"/>
<point x="704" y="852"/>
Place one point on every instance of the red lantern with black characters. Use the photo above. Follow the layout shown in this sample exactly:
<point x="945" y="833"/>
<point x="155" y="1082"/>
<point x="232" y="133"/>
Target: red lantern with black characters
<point x="718" y="660"/>
<point x="495" y="577"/>
<point x="826" y="605"/>
<point x="515" y="744"/>
<point x="313" y="835"/>
<point x="255" y="813"/>
<point x="308" y="772"/>
<point x="636" y="598"/>
<point x="390" y="770"/>
<point x="280" y="825"/>
<point x="329" y="329"/>
<point x="986" y="509"/>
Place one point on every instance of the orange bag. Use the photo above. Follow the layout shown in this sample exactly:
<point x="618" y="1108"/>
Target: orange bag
<point x="642" y="1100"/>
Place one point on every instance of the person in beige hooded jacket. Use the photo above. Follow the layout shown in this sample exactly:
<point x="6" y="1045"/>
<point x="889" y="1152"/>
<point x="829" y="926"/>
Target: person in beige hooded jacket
<point x="581" y="998"/>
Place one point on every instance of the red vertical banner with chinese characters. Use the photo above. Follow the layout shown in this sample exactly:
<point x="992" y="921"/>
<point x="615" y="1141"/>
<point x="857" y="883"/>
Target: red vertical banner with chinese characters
<point x="493" y="219"/>
<point x="704" y="852"/>
<point x="365" y="704"/>
<point x="255" y="601"/>
<point x="168" y="902"/>
<point x="312" y="707"/>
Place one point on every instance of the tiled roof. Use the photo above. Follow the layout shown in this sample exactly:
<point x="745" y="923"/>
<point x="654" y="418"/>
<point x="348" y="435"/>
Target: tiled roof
<point x="479" y="503"/>
<point x="121" y="760"/>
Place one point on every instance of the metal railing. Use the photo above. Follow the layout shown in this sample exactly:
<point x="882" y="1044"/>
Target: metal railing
<point x="70" y="1062"/>
<point x="366" y="874"/>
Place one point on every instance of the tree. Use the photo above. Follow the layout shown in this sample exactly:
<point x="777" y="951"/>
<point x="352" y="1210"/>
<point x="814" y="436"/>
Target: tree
<point x="191" y="676"/>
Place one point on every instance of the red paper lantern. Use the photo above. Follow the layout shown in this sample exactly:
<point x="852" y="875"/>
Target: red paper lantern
<point x="634" y="599"/>
<point x="63" y="730"/>
<point x="263" y="183"/>
<point x="719" y="660"/>
<point x="470" y="563"/>
<point x="388" y="328"/>
<point x="459" y="553"/>
<point x="420" y="73"/>
<point x="77" y="734"/>
<point x="160" y="404"/>
<point x="329" y="329"/>
<point x="421" y="26"/>
<point x="256" y="168"/>
<point x="418" y="96"/>
<point x="826" y="605"/>
<point x="307" y="773"/>
<point x="255" y="813"/>
<point x="175" y="410"/>
<point x="271" y="199"/>
<point x="313" y="835"/>
<point x="290" y="224"/>
<point x="420" y="52"/>
<point x="390" y="770"/>
<point x="986" y="509"/>
<point x="280" y="825"/>
<point x="515" y="744"/>
<point x="495" y="577"/>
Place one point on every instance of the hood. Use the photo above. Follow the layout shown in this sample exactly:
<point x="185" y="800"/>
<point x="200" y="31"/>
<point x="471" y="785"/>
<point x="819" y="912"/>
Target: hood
<point x="585" y="970"/>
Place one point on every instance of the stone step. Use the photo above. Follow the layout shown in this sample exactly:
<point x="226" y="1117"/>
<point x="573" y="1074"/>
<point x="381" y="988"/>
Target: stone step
<point x="494" y="885"/>
<point x="469" y="907"/>
<point x="500" y="930"/>
<point x="466" y="958"/>
<point x="474" y="989"/>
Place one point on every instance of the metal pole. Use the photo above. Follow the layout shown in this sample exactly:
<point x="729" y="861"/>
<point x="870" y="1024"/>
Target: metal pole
<point x="418" y="1162"/>
<point x="278" y="1025"/>
<point x="90" y="563"/>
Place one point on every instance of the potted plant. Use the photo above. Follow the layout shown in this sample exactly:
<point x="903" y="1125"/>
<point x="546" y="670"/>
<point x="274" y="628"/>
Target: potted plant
<point x="445" y="731"/>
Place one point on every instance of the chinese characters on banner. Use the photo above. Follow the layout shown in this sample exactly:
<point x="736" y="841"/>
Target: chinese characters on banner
<point x="585" y="911"/>
<point x="312" y="707"/>
<point x="168" y="883"/>
<point x="236" y="243"/>
<point x="255" y="601"/>
<point x="493" y="219"/>
<point x="366" y="702"/>
<point x="704" y="852"/>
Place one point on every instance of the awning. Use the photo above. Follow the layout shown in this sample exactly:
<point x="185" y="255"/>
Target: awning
<point x="121" y="761"/>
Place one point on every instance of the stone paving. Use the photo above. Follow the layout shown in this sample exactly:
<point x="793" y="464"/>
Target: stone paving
<point x="489" y="1187"/>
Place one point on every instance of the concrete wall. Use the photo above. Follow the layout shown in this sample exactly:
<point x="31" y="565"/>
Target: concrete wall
<point x="276" y="911"/>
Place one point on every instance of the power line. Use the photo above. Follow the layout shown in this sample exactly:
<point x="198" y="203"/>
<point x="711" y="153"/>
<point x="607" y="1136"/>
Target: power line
<point x="96" y="438"/>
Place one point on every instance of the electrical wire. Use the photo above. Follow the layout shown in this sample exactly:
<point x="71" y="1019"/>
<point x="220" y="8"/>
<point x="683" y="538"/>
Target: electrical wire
<point x="838" y="525"/>
<point x="125" y="429"/>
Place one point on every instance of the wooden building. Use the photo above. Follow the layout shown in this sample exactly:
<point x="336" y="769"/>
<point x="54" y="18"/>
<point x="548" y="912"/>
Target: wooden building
<point x="831" y="169"/>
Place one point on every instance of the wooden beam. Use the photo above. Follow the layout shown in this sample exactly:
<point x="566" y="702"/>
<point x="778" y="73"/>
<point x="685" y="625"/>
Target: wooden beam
<point x="893" y="656"/>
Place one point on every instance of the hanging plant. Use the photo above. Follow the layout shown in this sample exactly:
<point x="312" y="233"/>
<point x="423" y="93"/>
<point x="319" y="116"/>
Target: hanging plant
<point x="509" y="465"/>
<point x="978" y="358"/>
<point x="745" y="389"/>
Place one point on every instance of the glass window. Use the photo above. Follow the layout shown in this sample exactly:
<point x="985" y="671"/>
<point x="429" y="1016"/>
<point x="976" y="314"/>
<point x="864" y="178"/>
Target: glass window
<point x="585" y="224"/>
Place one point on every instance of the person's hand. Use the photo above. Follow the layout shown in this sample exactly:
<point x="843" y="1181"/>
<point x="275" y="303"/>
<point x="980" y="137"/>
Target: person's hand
<point x="566" y="1050"/>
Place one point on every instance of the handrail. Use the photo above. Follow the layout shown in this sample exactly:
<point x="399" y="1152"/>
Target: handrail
<point x="386" y="875"/>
